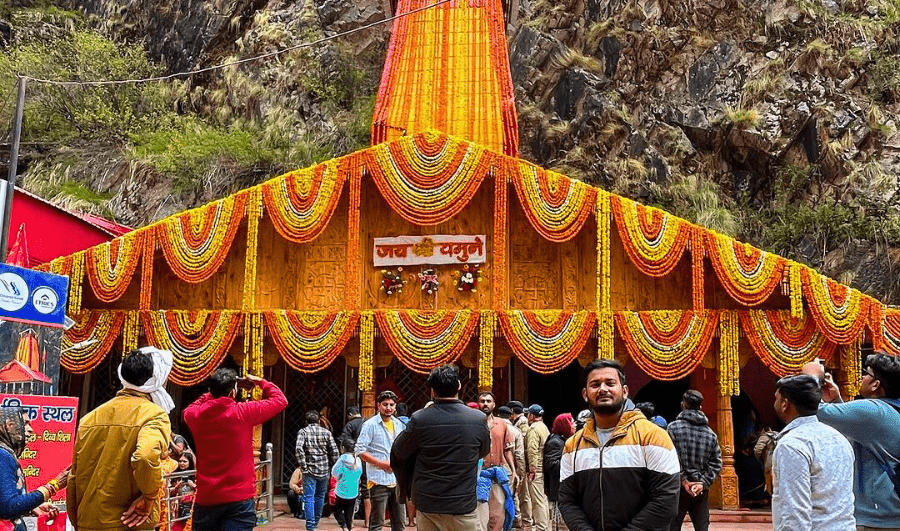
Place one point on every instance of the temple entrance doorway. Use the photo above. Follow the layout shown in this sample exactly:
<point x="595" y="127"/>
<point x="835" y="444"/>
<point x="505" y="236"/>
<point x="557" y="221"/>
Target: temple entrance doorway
<point x="557" y="393"/>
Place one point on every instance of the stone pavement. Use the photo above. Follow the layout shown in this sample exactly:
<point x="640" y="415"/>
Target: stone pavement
<point x="286" y="522"/>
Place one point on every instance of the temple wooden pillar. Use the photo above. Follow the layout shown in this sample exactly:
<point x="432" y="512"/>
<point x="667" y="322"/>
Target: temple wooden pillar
<point x="368" y="404"/>
<point x="728" y="482"/>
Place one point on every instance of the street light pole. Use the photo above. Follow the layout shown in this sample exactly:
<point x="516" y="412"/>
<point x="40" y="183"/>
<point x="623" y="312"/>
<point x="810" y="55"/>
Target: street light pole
<point x="13" y="163"/>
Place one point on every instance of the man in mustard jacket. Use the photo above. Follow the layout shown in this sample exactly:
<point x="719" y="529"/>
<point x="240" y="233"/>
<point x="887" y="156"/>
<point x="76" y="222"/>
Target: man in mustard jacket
<point x="116" y="473"/>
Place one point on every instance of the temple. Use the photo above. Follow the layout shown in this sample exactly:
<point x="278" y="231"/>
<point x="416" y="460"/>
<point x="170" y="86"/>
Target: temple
<point x="438" y="244"/>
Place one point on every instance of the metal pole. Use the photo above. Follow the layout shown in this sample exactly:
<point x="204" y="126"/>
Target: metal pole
<point x="13" y="163"/>
<point x="270" y="501"/>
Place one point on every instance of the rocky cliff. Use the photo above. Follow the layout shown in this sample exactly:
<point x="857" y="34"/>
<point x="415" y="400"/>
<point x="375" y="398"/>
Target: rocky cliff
<point x="771" y="120"/>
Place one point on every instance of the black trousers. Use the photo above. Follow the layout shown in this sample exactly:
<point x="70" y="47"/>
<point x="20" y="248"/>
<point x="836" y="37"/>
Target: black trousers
<point x="295" y="502"/>
<point x="343" y="511"/>
<point x="696" y="506"/>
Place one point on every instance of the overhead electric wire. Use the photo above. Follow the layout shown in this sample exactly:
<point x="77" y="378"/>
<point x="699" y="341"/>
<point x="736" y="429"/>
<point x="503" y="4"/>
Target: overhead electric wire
<point x="238" y="62"/>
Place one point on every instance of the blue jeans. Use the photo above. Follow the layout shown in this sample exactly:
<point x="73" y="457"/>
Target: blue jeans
<point x="236" y="516"/>
<point x="314" y="491"/>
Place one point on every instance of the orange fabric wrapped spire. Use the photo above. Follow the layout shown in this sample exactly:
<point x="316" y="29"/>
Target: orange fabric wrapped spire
<point x="447" y="68"/>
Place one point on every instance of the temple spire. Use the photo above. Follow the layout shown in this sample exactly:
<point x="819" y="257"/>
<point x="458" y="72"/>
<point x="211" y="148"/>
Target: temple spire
<point x="447" y="68"/>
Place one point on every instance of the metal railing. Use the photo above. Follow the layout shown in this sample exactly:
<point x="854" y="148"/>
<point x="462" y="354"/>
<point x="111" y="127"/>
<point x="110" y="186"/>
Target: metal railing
<point x="265" y="498"/>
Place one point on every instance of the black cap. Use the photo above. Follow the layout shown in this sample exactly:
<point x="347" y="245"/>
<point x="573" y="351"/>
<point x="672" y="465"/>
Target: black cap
<point x="503" y="412"/>
<point x="516" y="407"/>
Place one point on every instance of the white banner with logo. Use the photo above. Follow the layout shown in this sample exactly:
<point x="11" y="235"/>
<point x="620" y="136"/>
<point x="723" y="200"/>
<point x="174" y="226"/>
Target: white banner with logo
<point x="435" y="249"/>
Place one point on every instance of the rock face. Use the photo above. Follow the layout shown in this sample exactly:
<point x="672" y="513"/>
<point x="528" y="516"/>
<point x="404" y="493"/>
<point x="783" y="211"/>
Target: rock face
<point x="773" y="120"/>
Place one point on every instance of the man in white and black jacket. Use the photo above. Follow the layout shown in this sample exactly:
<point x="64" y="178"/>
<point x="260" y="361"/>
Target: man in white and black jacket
<point x="440" y="447"/>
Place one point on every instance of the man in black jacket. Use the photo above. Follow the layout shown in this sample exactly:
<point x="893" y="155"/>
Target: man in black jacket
<point x="442" y="445"/>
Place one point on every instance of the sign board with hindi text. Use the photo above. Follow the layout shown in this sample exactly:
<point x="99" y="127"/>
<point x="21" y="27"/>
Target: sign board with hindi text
<point x="49" y="451"/>
<point x="434" y="249"/>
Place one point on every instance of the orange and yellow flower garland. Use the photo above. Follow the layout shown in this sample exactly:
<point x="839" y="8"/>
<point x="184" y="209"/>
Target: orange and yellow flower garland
<point x="840" y="311"/>
<point x="501" y="231"/>
<point x="487" y="324"/>
<point x="782" y="342"/>
<point x="545" y="341"/>
<point x="425" y="340"/>
<point x="748" y="274"/>
<point x="366" y="351"/>
<point x="251" y="258"/>
<point x="147" y="257"/>
<point x="352" y="296"/>
<point x="197" y="242"/>
<point x="667" y="344"/>
<point x="131" y="331"/>
<point x="428" y="178"/>
<point x="102" y="325"/>
<point x="71" y="266"/>
<point x="310" y="341"/>
<point x="851" y="366"/>
<point x="885" y="326"/>
<point x="698" y="278"/>
<point x="654" y="240"/>
<point x="729" y="359"/>
<point x="110" y="266"/>
<point x="198" y="339"/>
<point x="796" y="289"/>
<point x="602" y="213"/>
<point x="301" y="203"/>
<point x="556" y="206"/>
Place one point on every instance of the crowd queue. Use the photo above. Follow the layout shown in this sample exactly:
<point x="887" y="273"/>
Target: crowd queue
<point x="456" y="466"/>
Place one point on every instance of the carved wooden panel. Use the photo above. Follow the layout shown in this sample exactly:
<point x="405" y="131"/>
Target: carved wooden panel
<point x="535" y="267"/>
<point x="221" y="291"/>
<point x="377" y="219"/>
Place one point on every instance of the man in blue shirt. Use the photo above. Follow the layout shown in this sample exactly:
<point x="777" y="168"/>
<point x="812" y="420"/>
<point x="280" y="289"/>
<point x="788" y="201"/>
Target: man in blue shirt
<point x="374" y="447"/>
<point x="872" y="424"/>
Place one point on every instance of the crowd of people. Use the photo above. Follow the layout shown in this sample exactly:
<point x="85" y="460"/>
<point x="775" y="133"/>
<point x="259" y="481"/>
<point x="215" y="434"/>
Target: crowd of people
<point x="457" y="466"/>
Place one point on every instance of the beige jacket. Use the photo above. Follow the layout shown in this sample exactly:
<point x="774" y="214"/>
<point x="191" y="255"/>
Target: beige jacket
<point x="117" y="460"/>
<point x="534" y="445"/>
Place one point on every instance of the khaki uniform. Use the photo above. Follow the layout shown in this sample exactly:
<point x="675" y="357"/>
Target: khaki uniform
<point x="534" y="455"/>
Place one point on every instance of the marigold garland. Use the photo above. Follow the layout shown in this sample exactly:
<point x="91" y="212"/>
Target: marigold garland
<point x="729" y="353"/>
<point x="148" y="255"/>
<point x="545" y="341"/>
<point x="300" y="204"/>
<point x="254" y="213"/>
<point x="748" y="274"/>
<point x="885" y="326"/>
<point x="555" y="205"/>
<point x="425" y="340"/>
<point x="840" y="311"/>
<point x="654" y="240"/>
<point x="501" y="232"/>
<point x="131" y="331"/>
<point x="310" y="341"/>
<point x="110" y="266"/>
<point x="698" y="277"/>
<point x="196" y="243"/>
<point x="667" y="344"/>
<point x="486" y="330"/>
<point x="851" y="365"/>
<point x="603" y="252"/>
<point x="796" y="287"/>
<point x="785" y="343"/>
<point x="606" y="335"/>
<point x="428" y="178"/>
<point x="366" y="351"/>
<point x="198" y="339"/>
<point x="104" y="326"/>
<point x="448" y="67"/>
<point x="352" y="289"/>
<point x="71" y="266"/>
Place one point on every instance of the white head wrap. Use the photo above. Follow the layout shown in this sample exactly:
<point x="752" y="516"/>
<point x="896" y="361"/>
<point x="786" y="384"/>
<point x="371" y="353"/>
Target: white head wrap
<point x="155" y="386"/>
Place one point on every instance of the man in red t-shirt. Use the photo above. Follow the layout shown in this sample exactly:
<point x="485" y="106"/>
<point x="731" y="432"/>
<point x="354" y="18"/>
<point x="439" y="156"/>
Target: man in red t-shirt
<point x="223" y="431"/>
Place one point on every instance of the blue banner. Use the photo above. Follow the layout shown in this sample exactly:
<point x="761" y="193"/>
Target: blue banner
<point x="34" y="297"/>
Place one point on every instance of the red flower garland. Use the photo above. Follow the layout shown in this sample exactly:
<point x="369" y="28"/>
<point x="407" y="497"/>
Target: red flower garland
<point x="104" y="326"/>
<point x="782" y="342"/>
<point x="644" y="233"/>
<point x="885" y="326"/>
<point x="556" y="205"/>
<point x="310" y="346"/>
<point x="670" y="344"/>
